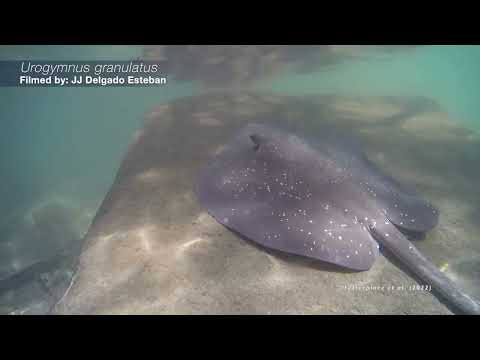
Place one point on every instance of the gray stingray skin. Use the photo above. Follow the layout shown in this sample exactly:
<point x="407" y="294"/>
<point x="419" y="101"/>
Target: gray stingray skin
<point x="321" y="199"/>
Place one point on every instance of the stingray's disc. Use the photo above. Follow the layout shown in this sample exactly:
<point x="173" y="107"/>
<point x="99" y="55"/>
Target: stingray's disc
<point x="288" y="196"/>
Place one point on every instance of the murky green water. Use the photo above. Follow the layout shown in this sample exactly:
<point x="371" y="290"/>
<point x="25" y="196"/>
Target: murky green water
<point x="63" y="146"/>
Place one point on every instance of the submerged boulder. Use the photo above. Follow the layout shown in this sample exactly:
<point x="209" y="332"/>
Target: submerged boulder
<point x="37" y="258"/>
<point x="152" y="249"/>
<point x="238" y="65"/>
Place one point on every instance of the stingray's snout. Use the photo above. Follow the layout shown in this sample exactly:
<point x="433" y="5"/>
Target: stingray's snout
<point x="257" y="140"/>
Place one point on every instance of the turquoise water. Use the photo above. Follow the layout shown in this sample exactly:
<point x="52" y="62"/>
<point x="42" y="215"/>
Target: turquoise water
<point x="449" y="75"/>
<point x="69" y="142"/>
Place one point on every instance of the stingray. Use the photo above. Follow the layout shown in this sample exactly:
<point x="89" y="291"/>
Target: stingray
<point x="320" y="198"/>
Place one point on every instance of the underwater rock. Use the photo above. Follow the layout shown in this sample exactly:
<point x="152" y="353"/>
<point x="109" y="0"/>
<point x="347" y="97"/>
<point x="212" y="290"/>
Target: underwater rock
<point x="232" y="65"/>
<point x="152" y="249"/>
<point x="36" y="261"/>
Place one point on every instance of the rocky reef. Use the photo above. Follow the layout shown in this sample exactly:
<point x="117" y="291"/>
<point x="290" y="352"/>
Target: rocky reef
<point x="152" y="249"/>
<point x="239" y="65"/>
<point x="37" y="257"/>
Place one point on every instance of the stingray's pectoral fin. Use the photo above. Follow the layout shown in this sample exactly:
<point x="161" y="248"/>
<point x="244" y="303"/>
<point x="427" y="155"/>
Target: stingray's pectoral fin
<point x="403" y="206"/>
<point x="412" y="213"/>
<point x="394" y="241"/>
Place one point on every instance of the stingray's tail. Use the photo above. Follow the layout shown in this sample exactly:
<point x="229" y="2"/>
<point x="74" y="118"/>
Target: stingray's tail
<point x="409" y="255"/>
